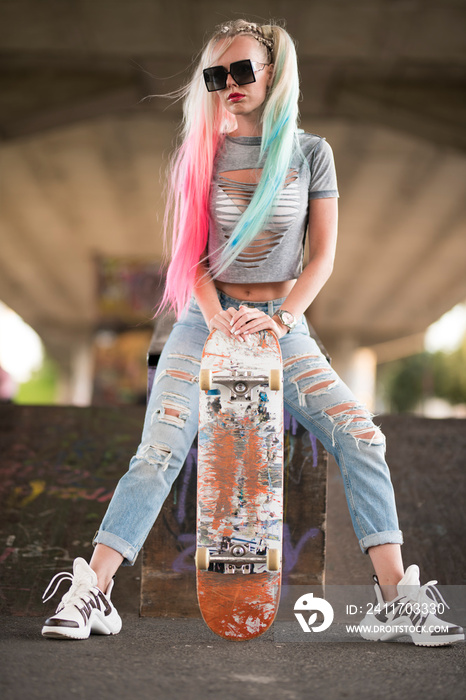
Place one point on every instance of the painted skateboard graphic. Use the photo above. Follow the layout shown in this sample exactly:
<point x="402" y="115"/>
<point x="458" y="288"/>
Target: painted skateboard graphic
<point x="240" y="484"/>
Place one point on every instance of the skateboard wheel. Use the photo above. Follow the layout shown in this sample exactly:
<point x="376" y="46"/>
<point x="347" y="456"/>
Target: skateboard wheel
<point x="275" y="379"/>
<point x="202" y="558"/>
<point x="205" y="379"/>
<point x="273" y="559"/>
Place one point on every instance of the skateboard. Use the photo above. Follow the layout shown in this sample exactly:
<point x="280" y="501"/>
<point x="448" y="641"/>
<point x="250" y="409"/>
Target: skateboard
<point x="240" y="484"/>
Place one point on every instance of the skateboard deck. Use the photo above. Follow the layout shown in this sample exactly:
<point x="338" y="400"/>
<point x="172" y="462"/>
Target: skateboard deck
<point x="240" y="484"/>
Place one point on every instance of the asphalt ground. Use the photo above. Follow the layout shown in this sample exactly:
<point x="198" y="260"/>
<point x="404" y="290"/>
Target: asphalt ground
<point x="165" y="658"/>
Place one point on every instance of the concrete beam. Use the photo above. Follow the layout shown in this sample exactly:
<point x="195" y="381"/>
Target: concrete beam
<point x="363" y="28"/>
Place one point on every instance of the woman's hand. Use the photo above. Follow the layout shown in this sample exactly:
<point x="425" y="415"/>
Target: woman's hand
<point x="221" y="322"/>
<point x="248" y="320"/>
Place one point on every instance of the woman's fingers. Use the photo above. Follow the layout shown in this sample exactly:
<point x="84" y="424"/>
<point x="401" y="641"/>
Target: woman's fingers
<point x="250" y="320"/>
<point x="239" y="323"/>
<point x="262" y="324"/>
<point x="244" y="315"/>
<point x="221" y="322"/>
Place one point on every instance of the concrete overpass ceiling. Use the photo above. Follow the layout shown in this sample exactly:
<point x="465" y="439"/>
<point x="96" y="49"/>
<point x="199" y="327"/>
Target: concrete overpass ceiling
<point x="369" y="59"/>
<point x="400" y="259"/>
<point x="82" y="158"/>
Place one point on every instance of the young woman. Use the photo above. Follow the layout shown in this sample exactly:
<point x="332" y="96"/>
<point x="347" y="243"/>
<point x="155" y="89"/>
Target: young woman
<point x="246" y="185"/>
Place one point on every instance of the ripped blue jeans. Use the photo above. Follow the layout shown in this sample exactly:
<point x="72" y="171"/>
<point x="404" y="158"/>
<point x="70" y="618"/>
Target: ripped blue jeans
<point x="314" y="394"/>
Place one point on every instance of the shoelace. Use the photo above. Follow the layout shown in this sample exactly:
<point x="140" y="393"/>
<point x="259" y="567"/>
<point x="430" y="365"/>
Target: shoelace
<point x="428" y="593"/>
<point x="77" y="590"/>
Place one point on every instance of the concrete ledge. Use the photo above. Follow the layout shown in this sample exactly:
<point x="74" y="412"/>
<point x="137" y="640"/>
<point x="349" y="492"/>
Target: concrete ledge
<point x="59" y="467"/>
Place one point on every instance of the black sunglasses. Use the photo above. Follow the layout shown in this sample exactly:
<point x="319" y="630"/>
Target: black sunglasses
<point x="242" y="73"/>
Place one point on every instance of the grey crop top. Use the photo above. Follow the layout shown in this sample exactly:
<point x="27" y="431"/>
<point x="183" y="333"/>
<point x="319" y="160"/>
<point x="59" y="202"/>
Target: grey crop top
<point x="276" y="254"/>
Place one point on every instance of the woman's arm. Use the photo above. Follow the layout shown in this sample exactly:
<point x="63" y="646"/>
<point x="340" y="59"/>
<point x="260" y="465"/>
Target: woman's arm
<point x="323" y="226"/>
<point x="206" y="296"/>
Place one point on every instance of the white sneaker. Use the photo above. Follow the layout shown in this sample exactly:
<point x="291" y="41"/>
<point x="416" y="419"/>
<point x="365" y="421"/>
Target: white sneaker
<point x="84" y="609"/>
<point x="413" y="612"/>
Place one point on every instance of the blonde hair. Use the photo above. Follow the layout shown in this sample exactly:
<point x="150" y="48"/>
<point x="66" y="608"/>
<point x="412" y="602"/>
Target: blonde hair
<point x="205" y="122"/>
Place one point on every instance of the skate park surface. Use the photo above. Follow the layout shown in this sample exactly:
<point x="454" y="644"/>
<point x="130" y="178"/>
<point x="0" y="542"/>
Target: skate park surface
<point x="170" y="657"/>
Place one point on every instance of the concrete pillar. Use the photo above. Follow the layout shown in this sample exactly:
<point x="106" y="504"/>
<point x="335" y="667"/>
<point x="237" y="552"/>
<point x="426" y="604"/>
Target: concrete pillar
<point x="82" y="368"/>
<point x="76" y="373"/>
<point x="357" y="366"/>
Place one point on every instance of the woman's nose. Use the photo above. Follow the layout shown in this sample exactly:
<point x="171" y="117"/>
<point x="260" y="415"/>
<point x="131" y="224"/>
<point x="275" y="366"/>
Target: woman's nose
<point x="230" y="80"/>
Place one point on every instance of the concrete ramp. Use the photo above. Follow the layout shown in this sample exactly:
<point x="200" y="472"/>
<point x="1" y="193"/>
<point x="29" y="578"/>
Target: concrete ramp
<point x="59" y="467"/>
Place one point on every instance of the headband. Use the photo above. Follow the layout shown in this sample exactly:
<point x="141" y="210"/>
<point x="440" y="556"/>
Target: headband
<point x="254" y="31"/>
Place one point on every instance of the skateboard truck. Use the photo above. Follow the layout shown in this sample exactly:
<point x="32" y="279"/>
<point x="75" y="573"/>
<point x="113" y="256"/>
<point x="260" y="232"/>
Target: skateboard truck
<point x="240" y="384"/>
<point x="237" y="556"/>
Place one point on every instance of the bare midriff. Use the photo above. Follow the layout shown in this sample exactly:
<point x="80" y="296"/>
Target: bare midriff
<point x="261" y="291"/>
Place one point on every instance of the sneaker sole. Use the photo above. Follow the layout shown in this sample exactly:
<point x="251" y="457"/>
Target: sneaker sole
<point x="106" y="626"/>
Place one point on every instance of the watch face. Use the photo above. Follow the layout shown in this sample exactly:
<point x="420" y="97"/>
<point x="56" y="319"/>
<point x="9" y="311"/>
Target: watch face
<point x="287" y="318"/>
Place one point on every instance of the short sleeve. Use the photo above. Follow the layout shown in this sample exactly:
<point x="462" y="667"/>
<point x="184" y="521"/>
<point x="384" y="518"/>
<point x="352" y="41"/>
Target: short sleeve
<point x="323" y="174"/>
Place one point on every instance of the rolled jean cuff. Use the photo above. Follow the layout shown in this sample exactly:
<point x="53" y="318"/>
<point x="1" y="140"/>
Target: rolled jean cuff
<point x="118" y="544"/>
<point x="387" y="537"/>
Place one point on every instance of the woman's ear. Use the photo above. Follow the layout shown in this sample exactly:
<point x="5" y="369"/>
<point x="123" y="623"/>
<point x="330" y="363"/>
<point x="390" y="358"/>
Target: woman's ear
<point x="270" y="69"/>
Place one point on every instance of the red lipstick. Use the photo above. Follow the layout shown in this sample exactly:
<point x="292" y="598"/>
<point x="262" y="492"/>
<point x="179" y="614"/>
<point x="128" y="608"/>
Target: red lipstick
<point x="235" y="97"/>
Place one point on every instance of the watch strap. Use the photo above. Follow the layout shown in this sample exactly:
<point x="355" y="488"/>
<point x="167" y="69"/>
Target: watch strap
<point x="281" y="313"/>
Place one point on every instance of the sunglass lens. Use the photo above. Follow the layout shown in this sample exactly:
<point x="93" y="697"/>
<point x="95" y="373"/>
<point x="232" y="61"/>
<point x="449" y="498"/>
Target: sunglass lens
<point x="242" y="72"/>
<point x="215" y="78"/>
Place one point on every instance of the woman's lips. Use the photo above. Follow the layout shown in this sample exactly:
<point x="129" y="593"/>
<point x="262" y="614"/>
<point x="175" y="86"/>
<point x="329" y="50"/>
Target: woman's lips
<point x="235" y="97"/>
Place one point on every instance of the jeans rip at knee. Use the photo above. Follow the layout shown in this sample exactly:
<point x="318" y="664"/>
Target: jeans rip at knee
<point x="352" y="418"/>
<point x="311" y="374"/>
<point x="314" y="379"/>
<point x="156" y="455"/>
<point x="173" y="409"/>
